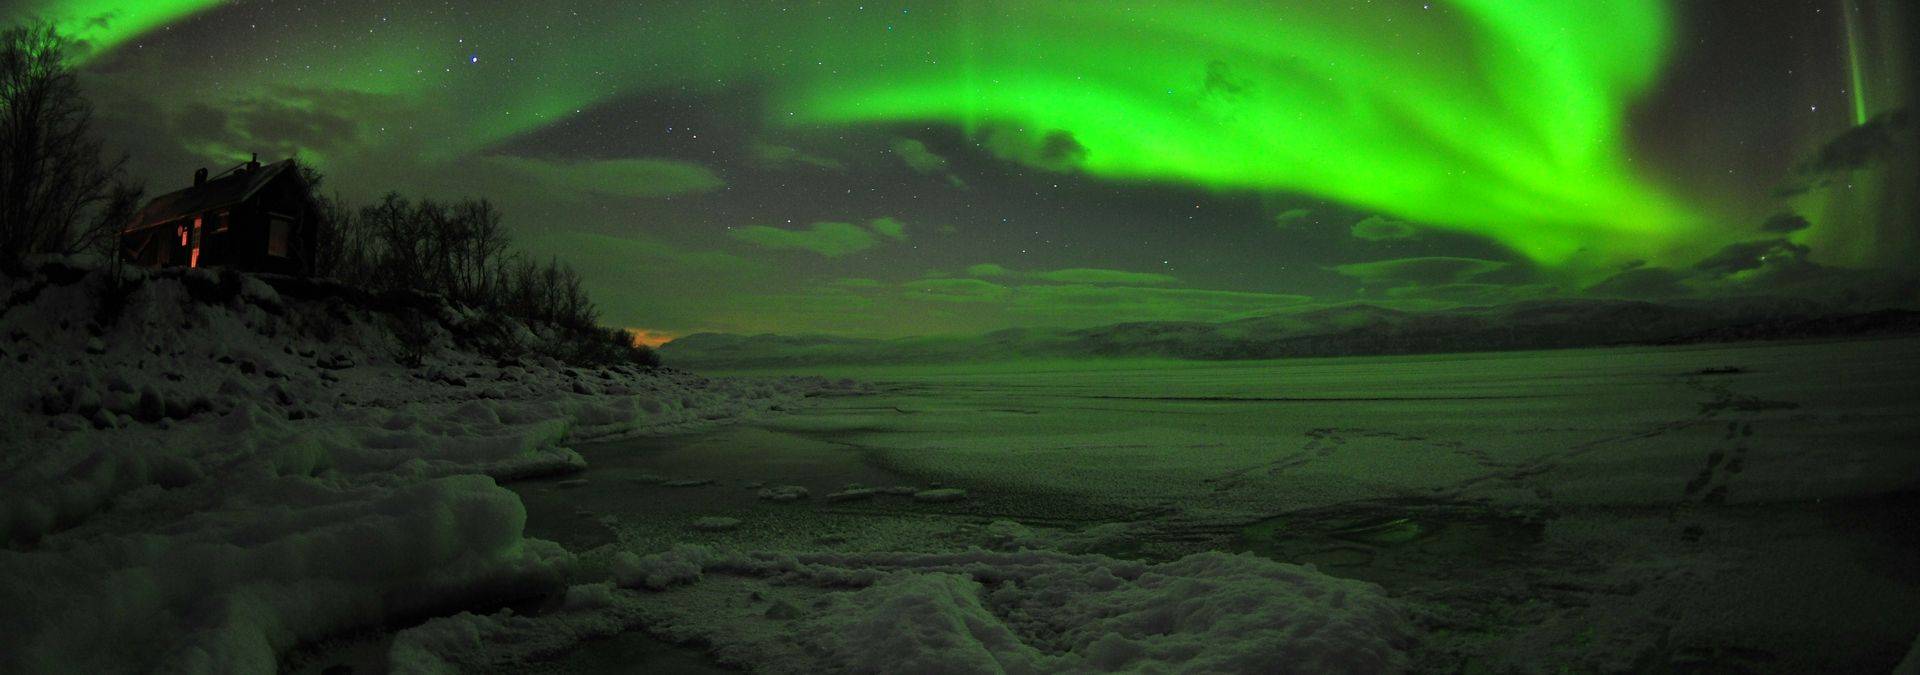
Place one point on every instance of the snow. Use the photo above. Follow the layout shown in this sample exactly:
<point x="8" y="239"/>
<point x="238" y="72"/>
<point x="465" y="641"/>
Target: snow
<point x="286" y="559"/>
<point x="682" y="564"/>
<point x="921" y="623"/>
<point x="214" y="470"/>
<point x="784" y="493"/>
<point x="715" y="523"/>
<point x="940" y="495"/>
<point x="1206" y="611"/>
<point x="226" y="471"/>
<point x="976" y="611"/>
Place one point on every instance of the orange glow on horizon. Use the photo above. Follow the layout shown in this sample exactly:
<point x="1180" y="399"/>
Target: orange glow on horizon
<point x="643" y="337"/>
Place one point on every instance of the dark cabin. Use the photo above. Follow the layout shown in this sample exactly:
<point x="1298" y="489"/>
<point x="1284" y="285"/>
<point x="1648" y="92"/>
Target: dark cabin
<point x="252" y="217"/>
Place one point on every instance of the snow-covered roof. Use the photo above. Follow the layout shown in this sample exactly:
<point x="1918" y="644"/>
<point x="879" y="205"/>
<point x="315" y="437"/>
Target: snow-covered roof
<point x="223" y="191"/>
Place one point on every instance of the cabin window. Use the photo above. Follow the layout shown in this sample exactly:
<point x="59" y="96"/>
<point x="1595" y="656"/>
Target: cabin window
<point x="279" y="231"/>
<point x="220" y="222"/>
<point x="193" y="259"/>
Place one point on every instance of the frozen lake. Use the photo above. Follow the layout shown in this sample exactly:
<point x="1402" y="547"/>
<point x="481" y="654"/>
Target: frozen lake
<point x="1741" y="507"/>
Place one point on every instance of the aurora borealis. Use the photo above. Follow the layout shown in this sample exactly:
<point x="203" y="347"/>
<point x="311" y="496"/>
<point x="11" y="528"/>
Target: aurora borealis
<point x="852" y="167"/>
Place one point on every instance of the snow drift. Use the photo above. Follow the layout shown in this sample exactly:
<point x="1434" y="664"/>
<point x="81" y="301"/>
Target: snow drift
<point x="978" y="611"/>
<point x="199" y="470"/>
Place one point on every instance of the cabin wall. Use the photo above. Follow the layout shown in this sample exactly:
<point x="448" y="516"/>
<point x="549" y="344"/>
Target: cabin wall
<point x="157" y="246"/>
<point x="216" y="246"/>
<point x="247" y="241"/>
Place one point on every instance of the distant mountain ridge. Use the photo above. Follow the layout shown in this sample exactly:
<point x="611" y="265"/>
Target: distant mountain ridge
<point x="1344" y="330"/>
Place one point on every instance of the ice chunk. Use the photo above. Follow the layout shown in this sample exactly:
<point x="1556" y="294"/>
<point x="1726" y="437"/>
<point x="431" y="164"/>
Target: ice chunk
<point x="715" y="524"/>
<point x="783" y="493"/>
<point x="852" y="494"/>
<point x="940" y="495"/>
<point x="681" y="564"/>
<point x="918" y="623"/>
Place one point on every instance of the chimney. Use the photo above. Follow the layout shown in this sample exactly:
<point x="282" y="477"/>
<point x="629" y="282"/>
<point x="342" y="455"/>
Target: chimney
<point x="200" y="177"/>
<point x="254" y="164"/>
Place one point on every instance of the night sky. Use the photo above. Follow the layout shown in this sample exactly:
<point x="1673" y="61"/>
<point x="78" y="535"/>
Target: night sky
<point x="910" y="168"/>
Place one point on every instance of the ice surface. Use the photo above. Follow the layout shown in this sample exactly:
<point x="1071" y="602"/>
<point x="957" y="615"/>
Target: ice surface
<point x="1208" y="612"/>
<point x="978" y="611"/>
<point x="1523" y="509"/>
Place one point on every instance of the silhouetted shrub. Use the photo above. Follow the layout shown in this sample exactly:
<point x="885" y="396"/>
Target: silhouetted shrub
<point x="58" y="193"/>
<point x="461" y="251"/>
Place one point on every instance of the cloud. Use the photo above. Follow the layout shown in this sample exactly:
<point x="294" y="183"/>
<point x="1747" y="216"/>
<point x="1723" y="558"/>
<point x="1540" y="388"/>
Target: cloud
<point x="889" y="228"/>
<point x="1086" y="275"/>
<point x="275" y="122"/>
<point x="1088" y="305"/>
<point x="270" y="128"/>
<point x="1379" y="228"/>
<point x="924" y="161"/>
<point x="1075" y="275"/>
<point x="1055" y="150"/>
<point x="827" y="238"/>
<point x="956" y="290"/>
<point x="1291" y="218"/>
<point x="1422" y="271"/>
<point x="770" y="156"/>
<point x="1785" y="223"/>
<point x="917" y="157"/>
<point x="1641" y="282"/>
<point x="1766" y="267"/>
<point x="638" y="178"/>
<point x="1753" y="255"/>
<point x="1880" y="139"/>
<point x="1471" y="293"/>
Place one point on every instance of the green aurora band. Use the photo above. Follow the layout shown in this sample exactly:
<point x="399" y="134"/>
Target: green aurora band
<point x="1505" y="118"/>
<point x="105" y="24"/>
<point x="1856" y="78"/>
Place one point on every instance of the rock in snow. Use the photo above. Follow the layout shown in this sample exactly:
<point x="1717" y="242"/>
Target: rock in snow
<point x="715" y="524"/>
<point x="783" y="493"/>
<point x="940" y="495"/>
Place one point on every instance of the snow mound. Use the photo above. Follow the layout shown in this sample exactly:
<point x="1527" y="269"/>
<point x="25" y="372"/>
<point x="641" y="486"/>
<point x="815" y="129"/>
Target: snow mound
<point x="919" y="623"/>
<point x="977" y="611"/>
<point x="1045" y="611"/>
<point x="682" y="564"/>
<point x="784" y="493"/>
<point x="940" y="495"/>
<point x="228" y="590"/>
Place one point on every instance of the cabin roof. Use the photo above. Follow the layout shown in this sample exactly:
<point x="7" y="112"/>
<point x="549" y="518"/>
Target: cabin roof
<point x="223" y="191"/>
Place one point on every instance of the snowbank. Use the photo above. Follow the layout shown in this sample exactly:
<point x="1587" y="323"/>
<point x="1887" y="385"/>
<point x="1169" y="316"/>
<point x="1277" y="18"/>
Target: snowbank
<point x="199" y="471"/>
<point x="1026" y="611"/>
<point x="291" y="560"/>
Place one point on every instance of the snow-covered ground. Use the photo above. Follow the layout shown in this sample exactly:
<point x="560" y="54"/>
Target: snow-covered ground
<point x="226" y="477"/>
<point x="1738" y="508"/>
<point x="201" y="473"/>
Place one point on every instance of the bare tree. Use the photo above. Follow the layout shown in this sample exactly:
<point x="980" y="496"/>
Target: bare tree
<point x="58" y="193"/>
<point x="486" y="248"/>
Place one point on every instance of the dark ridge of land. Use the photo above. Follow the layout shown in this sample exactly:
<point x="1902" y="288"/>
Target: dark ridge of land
<point x="1348" y="330"/>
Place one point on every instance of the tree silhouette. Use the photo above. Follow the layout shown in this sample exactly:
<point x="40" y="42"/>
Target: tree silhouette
<point x="58" y="193"/>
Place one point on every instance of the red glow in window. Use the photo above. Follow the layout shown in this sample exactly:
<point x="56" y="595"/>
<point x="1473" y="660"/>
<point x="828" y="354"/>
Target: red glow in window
<point x="194" y="261"/>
